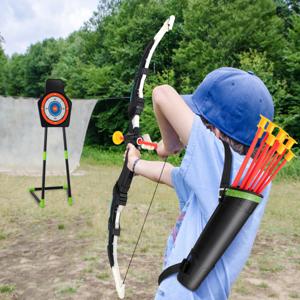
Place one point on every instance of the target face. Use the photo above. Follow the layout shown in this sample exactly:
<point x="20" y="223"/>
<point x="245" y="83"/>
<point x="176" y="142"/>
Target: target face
<point x="55" y="108"/>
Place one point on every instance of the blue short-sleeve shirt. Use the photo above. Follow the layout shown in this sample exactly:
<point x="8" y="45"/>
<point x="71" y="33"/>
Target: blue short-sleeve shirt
<point x="196" y="183"/>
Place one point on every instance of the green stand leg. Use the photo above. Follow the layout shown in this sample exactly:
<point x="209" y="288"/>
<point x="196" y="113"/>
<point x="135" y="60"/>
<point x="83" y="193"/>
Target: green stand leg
<point x="42" y="203"/>
<point x="68" y="185"/>
<point x="70" y="201"/>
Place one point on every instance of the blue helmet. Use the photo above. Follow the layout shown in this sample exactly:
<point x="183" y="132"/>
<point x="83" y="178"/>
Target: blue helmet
<point x="232" y="100"/>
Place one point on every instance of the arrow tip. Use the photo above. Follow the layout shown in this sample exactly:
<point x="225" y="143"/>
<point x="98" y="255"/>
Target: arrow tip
<point x="118" y="138"/>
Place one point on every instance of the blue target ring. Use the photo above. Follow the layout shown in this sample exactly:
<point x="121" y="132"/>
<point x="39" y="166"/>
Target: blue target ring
<point x="55" y="108"/>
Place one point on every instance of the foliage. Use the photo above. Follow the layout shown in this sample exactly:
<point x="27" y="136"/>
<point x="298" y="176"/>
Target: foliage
<point x="93" y="155"/>
<point x="15" y="75"/>
<point x="216" y="32"/>
<point x="100" y="60"/>
<point x="3" y="61"/>
<point x="97" y="156"/>
<point x="290" y="171"/>
<point x="7" y="289"/>
<point x="26" y="74"/>
<point x="290" y="113"/>
<point x="38" y="65"/>
<point x="264" y="68"/>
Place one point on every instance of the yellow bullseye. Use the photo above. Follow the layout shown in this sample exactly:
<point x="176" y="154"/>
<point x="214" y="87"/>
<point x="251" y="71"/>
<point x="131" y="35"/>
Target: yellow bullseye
<point x="118" y="138"/>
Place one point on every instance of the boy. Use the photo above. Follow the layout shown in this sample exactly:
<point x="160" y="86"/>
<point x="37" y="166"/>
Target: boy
<point x="226" y="106"/>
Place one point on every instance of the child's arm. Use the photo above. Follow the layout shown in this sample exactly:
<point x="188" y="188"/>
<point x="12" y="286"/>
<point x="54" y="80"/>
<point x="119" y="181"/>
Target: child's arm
<point x="175" y="121"/>
<point x="174" y="118"/>
<point x="149" y="169"/>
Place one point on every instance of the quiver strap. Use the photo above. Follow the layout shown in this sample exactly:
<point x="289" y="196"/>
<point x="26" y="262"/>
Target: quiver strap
<point x="225" y="181"/>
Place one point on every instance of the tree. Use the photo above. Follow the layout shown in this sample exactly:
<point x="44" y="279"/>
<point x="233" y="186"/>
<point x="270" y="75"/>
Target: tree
<point x="119" y="40"/>
<point x="15" y="73"/>
<point x="264" y="69"/>
<point x="105" y="8"/>
<point x="216" y="32"/>
<point x="290" y="112"/>
<point x="39" y="61"/>
<point x="101" y="59"/>
<point x="3" y="62"/>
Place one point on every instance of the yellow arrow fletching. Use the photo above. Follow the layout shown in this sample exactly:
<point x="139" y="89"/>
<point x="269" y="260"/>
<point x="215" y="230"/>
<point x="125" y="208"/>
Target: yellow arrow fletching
<point x="263" y="121"/>
<point x="281" y="135"/>
<point x="118" y="138"/>
<point x="289" y="156"/>
<point x="270" y="140"/>
<point x="281" y="148"/>
<point x="290" y="143"/>
<point x="271" y="126"/>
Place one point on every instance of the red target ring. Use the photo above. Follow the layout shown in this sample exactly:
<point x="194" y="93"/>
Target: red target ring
<point x="55" y="108"/>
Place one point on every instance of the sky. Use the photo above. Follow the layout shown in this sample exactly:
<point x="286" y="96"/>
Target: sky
<point x="25" y="22"/>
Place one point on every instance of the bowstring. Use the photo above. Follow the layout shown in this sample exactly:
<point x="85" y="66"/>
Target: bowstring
<point x="145" y="219"/>
<point x="155" y="190"/>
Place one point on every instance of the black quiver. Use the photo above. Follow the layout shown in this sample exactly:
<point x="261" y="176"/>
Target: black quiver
<point x="234" y="208"/>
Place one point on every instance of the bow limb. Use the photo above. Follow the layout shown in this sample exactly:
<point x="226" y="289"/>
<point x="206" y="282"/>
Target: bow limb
<point x="121" y="188"/>
<point x="120" y="286"/>
<point x="138" y="89"/>
<point x="119" y="201"/>
<point x="167" y="26"/>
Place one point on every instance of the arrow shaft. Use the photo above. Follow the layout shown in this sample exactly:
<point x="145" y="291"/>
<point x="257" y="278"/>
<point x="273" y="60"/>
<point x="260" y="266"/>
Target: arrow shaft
<point x="256" y="156"/>
<point x="140" y="141"/>
<point x="272" y="176"/>
<point x="246" y="160"/>
<point x="263" y="165"/>
<point x="254" y="167"/>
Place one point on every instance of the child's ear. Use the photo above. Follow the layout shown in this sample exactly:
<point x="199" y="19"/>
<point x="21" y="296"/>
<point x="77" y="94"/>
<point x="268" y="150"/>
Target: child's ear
<point x="217" y="132"/>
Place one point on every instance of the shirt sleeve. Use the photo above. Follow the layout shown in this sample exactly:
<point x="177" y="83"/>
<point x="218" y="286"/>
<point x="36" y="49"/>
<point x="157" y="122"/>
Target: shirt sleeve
<point x="200" y="168"/>
<point x="178" y="174"/>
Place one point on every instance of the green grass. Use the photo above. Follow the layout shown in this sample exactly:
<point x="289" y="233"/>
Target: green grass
<point x="94" y="155"/>
<point x="68" y="290"/>
<point x="6" y="289"/>
<point x="88" y="270"/>
<point x="103" y="276"/>
<point x="294" y="295"/>
<point x="290" y="171"/>
<point x="61" y="226"/>
<point x="90" y="258"/>
<point x="2" y="236"/>
<point x="97" y="156"/>
<point x="263" y="285"/>
<point x="271" y="271"/>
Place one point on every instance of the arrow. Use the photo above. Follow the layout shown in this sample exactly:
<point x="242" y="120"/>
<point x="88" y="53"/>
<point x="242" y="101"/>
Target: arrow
<point x="118" y="138"/>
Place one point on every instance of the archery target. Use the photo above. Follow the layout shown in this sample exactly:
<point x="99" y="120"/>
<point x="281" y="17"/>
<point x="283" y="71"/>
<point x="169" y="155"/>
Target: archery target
<point x="55" y="108"/>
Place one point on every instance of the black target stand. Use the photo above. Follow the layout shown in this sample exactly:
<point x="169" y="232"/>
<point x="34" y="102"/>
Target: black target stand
<point x="55" y="111"/>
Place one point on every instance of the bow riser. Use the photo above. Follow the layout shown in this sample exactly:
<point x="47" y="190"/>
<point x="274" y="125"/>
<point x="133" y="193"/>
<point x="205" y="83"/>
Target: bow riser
<point x="121" y="188"/>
